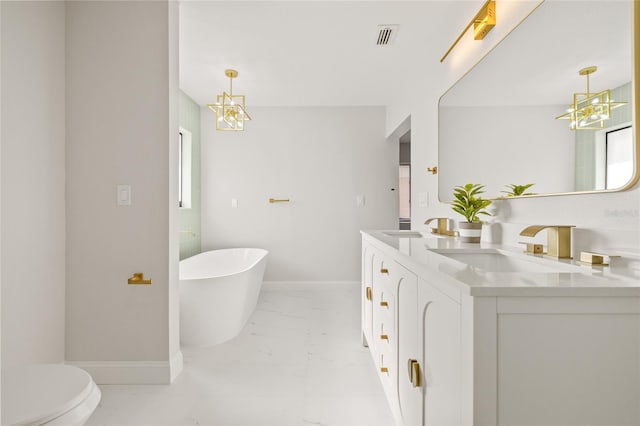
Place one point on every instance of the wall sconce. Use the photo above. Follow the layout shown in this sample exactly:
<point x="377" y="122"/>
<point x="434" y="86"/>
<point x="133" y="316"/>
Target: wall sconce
<point x="482" y="23"/>
<point x="229" y="108"/>
<point x="589" y="110"/>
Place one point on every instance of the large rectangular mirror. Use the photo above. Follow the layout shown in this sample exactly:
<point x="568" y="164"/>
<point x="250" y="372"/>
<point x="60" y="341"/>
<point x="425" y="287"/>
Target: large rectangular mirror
<point x="498" y="124"/>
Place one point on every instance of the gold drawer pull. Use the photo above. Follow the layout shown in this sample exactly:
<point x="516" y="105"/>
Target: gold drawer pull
<point x="384" y="337"/>
<point x="369" y="293"/>
<point x="414" y="372"/>
<point x="382" y="368"/>
<point x="384" y="271"/>
<point x="384" y="303"/>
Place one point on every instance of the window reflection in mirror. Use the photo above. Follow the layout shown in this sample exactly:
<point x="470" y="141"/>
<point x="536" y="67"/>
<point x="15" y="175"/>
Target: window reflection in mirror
<point x="592" y="149"/>
<point x="619" y="164"/>
<point x="497" y="124"/>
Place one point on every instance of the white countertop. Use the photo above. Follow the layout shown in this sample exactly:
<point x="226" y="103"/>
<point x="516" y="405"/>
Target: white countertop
<point x="573" y="278"/>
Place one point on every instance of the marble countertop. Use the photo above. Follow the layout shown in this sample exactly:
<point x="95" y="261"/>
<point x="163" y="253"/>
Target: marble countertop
<point x="572" y="278"/>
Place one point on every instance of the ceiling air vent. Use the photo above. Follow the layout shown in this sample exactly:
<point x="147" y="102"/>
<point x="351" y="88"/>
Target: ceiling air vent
<point x="386" y="34"/>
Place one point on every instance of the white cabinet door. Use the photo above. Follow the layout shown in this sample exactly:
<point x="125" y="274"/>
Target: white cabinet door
<point x="441" y="356"/>
<point x="409" y="348"/>
<point x="570" y="361"/>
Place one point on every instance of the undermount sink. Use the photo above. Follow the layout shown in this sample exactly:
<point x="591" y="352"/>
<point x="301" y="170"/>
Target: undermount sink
<point x="403" y="234"/>
<point x="491" y="260"/>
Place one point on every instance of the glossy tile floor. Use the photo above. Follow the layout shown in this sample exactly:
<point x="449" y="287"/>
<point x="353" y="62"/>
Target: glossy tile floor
<point x="298" y="361"/>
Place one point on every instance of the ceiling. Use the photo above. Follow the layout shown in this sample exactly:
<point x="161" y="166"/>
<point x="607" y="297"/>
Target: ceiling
<point x="324" y="53"/>
<point x="314" y="53"/>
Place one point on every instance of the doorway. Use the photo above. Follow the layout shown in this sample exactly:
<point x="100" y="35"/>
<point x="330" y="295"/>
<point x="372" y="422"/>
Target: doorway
<point x="404" y="181"/>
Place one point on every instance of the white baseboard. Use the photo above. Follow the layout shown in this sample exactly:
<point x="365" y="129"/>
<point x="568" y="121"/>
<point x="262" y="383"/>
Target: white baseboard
<point x="132" y="372"/>
<point x="175" y="366"/>
<point x="309" y="283"/>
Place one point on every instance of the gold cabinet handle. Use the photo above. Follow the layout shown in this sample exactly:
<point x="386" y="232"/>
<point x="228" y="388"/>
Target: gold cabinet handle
<point x="414" y="372"/>
<point x="384" y="271"/>
<point x="369" y="293"/>
<point x="278" y="200"/>
<point x="384" y="303"/>
<point x="384" y="370"/>
<point x="384" y="337"/>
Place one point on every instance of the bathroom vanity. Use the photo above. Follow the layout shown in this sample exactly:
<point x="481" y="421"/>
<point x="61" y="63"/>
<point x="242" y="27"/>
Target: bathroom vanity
<point x="469" y="334"/>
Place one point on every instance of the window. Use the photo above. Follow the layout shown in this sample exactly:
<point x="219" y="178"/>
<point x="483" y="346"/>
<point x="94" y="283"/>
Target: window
<point x="619" y="165"/>
<point x="180" y="169"/>
<point x="184" y="169"/>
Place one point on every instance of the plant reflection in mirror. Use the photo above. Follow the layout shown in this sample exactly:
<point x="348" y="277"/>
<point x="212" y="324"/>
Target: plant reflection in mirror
<point x="518" y="190"/>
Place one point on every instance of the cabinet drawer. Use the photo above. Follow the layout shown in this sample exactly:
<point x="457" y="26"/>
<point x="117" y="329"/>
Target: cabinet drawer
<point x="387" y="370"/>
<point x="384" y="334"/>
<point x="384" y="313"/>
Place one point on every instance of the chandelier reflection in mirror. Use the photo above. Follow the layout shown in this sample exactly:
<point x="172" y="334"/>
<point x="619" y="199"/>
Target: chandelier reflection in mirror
<point x="589" y="110"/>
<point x="229" y="108"/>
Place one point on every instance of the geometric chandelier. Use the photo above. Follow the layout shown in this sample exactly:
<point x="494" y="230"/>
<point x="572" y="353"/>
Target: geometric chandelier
<point x="229" y="108"/>
<point x="589" y="110"/>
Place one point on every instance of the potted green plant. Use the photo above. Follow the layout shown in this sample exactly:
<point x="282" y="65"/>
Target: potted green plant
<point x="469" y="203"/>
<point x="518" y="190"/>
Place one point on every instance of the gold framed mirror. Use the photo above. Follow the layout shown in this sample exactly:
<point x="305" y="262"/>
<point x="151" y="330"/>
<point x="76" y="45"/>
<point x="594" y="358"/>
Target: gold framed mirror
<point x="497" y="125"/>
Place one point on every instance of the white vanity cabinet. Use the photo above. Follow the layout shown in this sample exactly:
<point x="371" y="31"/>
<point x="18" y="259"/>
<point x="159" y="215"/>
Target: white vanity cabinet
<point x="379" y="331"/>
<point x="492" y="353"/>
<point x="405" y="321"/>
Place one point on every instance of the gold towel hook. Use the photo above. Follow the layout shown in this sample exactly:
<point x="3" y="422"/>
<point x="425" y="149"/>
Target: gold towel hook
<point x="138" y="278"/>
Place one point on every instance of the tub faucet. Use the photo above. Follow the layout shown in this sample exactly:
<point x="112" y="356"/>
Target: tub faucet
<point x="443" y="226"/>
<point x="558" y="239"/>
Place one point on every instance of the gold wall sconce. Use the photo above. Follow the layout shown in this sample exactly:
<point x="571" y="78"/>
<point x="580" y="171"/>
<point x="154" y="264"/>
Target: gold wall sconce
<point x="482" y="23"/>
<point x="229" y="108"/>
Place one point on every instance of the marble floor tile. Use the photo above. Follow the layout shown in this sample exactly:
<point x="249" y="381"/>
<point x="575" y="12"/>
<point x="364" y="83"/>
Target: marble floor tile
<point x="298" y="361"/>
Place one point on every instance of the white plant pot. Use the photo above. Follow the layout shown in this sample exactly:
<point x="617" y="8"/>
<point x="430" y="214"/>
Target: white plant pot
<point x="470" y="232"/>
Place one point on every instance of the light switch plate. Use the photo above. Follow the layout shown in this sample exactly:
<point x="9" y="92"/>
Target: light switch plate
<point x="123" y="194"/>
<point x="423" y="199"/>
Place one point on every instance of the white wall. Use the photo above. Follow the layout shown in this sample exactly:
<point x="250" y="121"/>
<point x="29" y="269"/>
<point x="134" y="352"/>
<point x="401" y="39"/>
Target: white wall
<point x="121" y="129"/>
<point x="175" y="355"/>
<point x="319" y="158"/>
<point x="607" y="222"/>
<point x="33" y="176"/>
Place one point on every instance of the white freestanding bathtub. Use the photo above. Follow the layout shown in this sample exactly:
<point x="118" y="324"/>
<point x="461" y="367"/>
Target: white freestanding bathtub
<point x="218" y="293"/>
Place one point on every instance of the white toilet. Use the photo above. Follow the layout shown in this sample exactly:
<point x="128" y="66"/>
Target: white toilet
<point x="51" y="394"/>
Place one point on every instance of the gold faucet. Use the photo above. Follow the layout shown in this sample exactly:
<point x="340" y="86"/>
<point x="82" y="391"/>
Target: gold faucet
<point x="443" y="226"/>
<point x="558" y="239"/>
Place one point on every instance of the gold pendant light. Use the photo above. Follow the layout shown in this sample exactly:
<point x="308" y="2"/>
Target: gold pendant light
<point x="229" y="108"/>
<point x="589" y="110"/>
